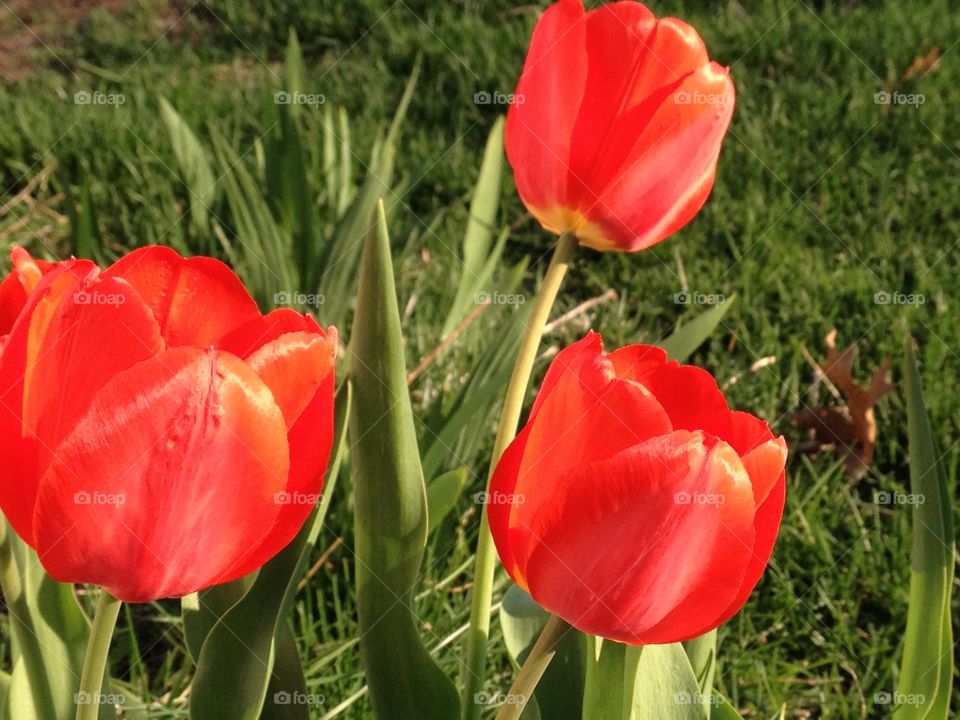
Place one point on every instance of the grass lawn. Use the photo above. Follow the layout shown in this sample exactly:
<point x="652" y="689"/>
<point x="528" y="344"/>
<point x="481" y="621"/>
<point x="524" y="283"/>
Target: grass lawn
<point x="827" y="203"/>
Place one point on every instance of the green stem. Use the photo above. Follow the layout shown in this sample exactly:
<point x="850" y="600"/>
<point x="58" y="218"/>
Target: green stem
<point x="476" y="654"/>
<point x="95" y="659"/>
<point x="533" y="668"/>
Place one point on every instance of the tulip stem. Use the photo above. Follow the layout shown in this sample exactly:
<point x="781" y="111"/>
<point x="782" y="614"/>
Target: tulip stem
<point x="95" y="660"/>
<point x="474" y="665"/>
<point x="533" y="668"/>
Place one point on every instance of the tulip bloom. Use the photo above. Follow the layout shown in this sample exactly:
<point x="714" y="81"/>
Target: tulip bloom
<point x="634" y="504"/>
<point x="616" y="123"/>
<point x="158" y="434"/>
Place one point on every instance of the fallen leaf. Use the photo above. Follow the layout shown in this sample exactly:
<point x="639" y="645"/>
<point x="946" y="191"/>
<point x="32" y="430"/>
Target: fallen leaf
<point x="851" y="428"/>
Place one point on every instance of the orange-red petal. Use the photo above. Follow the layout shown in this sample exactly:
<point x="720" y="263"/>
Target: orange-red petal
<point x="168" y="483"/>
<point x="197" y="301"/>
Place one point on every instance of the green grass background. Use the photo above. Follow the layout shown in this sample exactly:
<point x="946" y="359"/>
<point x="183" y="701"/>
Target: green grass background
<point x="824" y="198"/>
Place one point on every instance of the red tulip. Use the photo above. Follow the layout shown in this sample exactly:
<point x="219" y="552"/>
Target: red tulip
<point x="158" y="434"/>
<point x="615" y="127"/>
<point x="635" y="504"/>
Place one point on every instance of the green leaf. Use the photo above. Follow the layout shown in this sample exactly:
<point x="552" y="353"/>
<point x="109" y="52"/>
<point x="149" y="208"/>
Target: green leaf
<point x="443" y="493"/>
<point x="723" y="710"/>
<point x="559" y="694"/>
<point x="926" y="673"/>
<point x="49" y="634"/>
<point x="610" y="677"/>
<point x="702" y="652"/>
<point x="475" y="270"/>
<point x="87" y="242"/>
<point x="666" y="687"/>
<point x="390" y="503"/>
<point x="239" y="658"/>
<point x="689" y="336"/>
<point x="194" y="167"/>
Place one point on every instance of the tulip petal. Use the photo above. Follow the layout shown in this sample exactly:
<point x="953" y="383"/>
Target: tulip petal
<point x="689" y="395"/>
<point x="78" y="334"/>
<point x="168" y="483"/>
<point x="623" y="556"/>
<point x="633" y="59"/>
<point x="255" y="333"/>
<point x="767" y="523"/>
<point x="669" y="169"/>
<point x="587" y="417"/>
<point x="197" y="300"/>
<point x="23" y="278"/>
<point x="298" y="368"/>
<point x="540" y="121"/>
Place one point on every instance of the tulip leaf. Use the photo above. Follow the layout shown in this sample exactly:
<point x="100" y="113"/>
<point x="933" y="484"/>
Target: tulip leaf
<point x="610" y="678"/>
<point x="926" y="672"/>
<point x="246" y="650"/>
<point x="666" y="686"/>
<point x="723" y="710"/>
<point x="390" y="503"/>
<point x="476" y="268"/>
<point x="559" y="694"/>
<point x="702" y="652"/>
<point x="689" y="336"/>
<point x="49" y="635"/>
<point x="443" y="493"/>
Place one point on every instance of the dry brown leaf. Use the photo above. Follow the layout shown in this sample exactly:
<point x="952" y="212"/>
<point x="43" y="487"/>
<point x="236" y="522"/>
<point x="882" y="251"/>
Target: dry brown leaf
<point x="922" y="65"/>
<point x="850" y="429"/>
